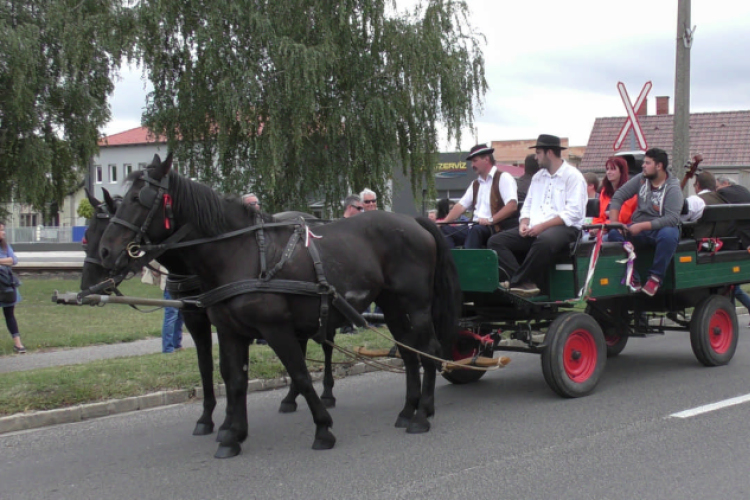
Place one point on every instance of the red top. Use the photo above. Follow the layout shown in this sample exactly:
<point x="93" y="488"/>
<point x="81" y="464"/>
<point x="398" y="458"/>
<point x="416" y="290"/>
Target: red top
<point x="626" y="211"/>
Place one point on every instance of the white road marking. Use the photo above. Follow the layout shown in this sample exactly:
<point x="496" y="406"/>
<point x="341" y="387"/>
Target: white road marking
<point x="711" y="407"/>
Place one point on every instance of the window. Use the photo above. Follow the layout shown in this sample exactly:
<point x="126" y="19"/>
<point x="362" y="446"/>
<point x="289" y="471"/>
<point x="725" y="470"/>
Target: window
<point x="141" y="166"/>
<point x="127" y="169"/>
<point x="98" y="173"/>
<point x="113" y="173"/>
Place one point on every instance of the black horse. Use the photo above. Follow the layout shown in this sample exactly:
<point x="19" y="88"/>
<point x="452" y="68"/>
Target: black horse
<point x="196" y="320"/>
<point x="398" y="262"/>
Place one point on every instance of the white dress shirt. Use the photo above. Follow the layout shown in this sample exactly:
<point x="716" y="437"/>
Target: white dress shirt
<point x="695" y="207"/>
<point x="561" y="195"/>
<point x="482" y="208"/>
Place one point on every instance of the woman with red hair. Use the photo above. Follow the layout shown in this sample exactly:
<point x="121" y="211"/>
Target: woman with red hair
<point x="617" y="175"/>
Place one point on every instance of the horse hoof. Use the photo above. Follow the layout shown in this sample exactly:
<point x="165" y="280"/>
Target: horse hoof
<point x="329" y="402"/>
<point x="228" y="451"/>
<point x="287" y="407"/>
<point x="202" y="429"/>
<point x="222" y="435"/>
<point x="402" y="422"/>
<point x="324" y="441"/>
<point x="418" y="427"/>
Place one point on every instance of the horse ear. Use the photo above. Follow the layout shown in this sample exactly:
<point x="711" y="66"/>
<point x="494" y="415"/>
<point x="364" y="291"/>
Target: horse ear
<point x="94" y="202"/>
<point x="109" y="201"/>
<point x="156" y="161"/>
<point x="163" y="168"/>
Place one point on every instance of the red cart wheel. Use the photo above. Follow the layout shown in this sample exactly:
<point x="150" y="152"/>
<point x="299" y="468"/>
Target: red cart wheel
<point x="713" y="331"/>
<point x="466" y="346"/>
<point x="576" y="354"/>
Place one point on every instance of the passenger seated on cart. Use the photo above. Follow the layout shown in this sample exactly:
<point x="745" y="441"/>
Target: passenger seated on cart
<point x="655" y="220"/>
<point x="493" y="198"/>
<point x="551" y="220"/>
<point x="616" y="176"/>
<point x="705" y="187"/>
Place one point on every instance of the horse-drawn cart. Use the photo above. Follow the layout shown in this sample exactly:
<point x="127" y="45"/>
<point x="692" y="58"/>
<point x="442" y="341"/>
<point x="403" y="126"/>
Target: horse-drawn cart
<point x="575" y="329"/>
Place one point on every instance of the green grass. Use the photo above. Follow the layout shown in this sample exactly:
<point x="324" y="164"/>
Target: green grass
<point x="46" y="325"/>
<point x="60" y="387"/>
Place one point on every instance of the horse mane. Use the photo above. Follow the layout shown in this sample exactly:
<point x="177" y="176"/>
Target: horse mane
<point x="210" y="213"/>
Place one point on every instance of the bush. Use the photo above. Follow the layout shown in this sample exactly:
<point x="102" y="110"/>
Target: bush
<point x="85" y="209"/>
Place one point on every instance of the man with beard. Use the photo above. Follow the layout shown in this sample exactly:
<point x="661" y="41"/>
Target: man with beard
<point x="551" y="219"/>
<point x="492" y="196"/>
<point x="655" y="219"/>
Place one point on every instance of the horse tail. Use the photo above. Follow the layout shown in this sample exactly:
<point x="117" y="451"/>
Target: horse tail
<point x="446" y="298"/>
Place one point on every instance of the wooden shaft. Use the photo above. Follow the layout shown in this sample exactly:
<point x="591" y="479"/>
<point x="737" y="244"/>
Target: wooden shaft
<point x="374" y="353"/>
<point x="481" y="361"/>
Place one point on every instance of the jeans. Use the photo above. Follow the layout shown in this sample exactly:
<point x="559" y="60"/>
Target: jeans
<point x="474" y="236"/>
<point x="171" y="330"/>
<point x="663" y="241"/>
<point x="742" y="296"/>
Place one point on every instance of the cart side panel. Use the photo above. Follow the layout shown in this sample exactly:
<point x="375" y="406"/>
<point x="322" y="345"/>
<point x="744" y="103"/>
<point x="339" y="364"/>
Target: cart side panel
<point x="477" y="270"/>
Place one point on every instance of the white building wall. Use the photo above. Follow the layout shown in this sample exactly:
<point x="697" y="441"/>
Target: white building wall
<point x="119" y="156"/>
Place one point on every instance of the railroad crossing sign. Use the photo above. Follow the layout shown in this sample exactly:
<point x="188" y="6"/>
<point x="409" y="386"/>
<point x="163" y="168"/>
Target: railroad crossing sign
<point x="632" y="120"/>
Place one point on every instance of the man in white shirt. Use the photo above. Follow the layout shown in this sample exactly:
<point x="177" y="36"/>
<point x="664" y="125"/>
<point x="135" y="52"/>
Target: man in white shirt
<point x="551" y="219"/>
<point x="493" y="198"/>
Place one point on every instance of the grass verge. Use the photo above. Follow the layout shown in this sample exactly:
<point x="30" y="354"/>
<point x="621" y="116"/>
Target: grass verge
<point x="46" y="325"/>
<point x="59" y="387"/>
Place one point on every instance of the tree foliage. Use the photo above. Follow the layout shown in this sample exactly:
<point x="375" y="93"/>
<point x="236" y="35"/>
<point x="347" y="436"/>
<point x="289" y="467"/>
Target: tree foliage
<point x="85" y="209"/>
<point x="57" y="59"/>
<point x="296" y="97"/>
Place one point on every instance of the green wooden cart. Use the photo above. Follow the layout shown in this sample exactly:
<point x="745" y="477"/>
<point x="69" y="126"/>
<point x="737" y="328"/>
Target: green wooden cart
<point x="575" y="333"/>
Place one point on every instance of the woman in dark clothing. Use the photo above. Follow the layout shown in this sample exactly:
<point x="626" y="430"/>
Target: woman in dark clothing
<point x="8" y="258"/>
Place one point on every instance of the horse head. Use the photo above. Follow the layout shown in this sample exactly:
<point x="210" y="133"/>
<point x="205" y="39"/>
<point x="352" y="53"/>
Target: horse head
<point x="93" y="272"/>
<point x="143" y="216"/>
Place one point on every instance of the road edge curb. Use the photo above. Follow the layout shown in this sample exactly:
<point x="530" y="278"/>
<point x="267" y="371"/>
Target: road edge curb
<point x="80" y="413"/>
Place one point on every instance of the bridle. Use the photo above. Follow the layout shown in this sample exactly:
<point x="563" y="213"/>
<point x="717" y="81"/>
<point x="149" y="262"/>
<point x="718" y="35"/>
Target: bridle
<point x="102" y="212"/>
<point x="150" y="196"/>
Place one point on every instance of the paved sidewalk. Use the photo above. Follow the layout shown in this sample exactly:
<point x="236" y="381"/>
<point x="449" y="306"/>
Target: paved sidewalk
<point x="80" y="355"/>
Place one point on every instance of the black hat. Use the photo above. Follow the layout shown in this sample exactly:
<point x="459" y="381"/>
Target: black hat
<point x="547" y="141"/>
<point x="479" y="149"/>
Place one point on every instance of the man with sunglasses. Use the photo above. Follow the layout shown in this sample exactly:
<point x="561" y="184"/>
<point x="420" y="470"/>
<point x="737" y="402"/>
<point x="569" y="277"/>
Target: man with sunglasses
<point x="252" y="200"/>
<point x="352" y="206"/>
<point x="369" y="199"/>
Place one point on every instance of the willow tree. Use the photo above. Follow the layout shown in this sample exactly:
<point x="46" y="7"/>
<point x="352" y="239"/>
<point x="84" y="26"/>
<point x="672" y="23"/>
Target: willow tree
<point x="297" y="98"/>
<point x="57" y="59"/>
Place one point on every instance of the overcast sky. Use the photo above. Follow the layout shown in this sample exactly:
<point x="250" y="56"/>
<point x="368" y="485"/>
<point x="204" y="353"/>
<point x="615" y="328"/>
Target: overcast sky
<point x="553" y="66"/>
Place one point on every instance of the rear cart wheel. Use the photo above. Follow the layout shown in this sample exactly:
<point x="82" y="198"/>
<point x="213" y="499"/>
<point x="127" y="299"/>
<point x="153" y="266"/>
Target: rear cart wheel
<point x="467" y="346"/>
<point x="576" y="354"/>
<point x="615" y="342"/>
<point x="713" y="331"/>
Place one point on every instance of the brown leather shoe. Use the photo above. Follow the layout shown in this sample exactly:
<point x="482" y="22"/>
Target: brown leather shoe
<point x="527" y="289"/>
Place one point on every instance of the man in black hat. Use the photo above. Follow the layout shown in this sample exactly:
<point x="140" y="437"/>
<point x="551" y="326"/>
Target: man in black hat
<point x="492" y="197"/>
<point x="551" y="218"/>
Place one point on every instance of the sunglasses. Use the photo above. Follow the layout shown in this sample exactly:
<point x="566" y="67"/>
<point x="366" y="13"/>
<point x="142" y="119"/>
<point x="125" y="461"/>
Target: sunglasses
<point x="359" y="208"/>
<point x="370" y="201"/>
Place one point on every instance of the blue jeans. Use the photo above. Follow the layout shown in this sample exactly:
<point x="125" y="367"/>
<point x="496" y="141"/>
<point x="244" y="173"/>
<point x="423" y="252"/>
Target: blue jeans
<point x="663" y="241"/>
<point x="742" y="296"/>
<point x="171" y="330"/>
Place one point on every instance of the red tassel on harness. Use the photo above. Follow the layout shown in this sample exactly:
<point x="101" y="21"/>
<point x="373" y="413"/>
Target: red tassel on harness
<point x="167" y="210"/>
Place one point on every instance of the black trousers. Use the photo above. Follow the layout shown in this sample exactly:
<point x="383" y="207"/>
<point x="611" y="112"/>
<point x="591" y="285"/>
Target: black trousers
<point x="538" y="252"/>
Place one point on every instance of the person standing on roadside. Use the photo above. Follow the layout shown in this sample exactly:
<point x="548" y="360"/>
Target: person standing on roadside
<point x="171" y="330"/>
<point x="8" y="259"/>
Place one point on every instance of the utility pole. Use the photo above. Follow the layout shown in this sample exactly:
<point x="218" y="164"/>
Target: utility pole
<point x="681" y="147"/>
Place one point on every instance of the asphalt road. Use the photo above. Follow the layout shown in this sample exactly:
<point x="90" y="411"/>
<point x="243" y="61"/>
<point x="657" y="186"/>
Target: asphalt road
<point x="507" y="436"/>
